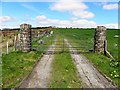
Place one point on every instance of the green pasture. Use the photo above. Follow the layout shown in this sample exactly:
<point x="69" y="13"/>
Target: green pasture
<point x="16" y="65"/>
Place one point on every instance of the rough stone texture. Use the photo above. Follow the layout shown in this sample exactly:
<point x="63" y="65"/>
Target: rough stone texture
<point x="100" y="39"/>
<point x="25" y="37"/>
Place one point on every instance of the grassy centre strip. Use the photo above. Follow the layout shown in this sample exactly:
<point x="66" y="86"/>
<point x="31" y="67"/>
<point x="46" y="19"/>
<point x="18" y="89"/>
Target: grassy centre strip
<point x="63" y="73"/>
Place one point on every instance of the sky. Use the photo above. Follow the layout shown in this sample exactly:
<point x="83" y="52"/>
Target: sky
<point x="62" y="13"/>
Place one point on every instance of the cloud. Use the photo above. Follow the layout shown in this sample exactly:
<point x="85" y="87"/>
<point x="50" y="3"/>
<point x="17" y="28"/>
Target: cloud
<point x="9" y="26"/>
<point x="110" y="6"/>
<point x="83" y="23"/>
<point x="42" y="17"/>
<point x="6" y="18"/>
<point x="83" y="14"/>
<point x="57" y="0"/>
<point x="72" y="22"/>
<point x="100" y="3"/>
<point x="68" y="6"/>
<point x="74" y="7"/>
<point x="111" y="26"/>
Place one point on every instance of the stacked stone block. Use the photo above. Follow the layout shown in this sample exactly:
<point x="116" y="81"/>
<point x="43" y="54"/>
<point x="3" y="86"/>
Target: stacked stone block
<point x="25" y="37"/>
<point x="100" y="39"/>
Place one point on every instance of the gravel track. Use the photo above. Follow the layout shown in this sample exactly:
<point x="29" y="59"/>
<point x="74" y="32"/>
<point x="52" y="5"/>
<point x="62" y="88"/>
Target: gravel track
<point x="90" y="76"/>
<point x="41" y="73"/>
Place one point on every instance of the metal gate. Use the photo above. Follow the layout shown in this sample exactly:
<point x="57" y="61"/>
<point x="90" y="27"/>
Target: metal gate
<point x="81" y="43"/>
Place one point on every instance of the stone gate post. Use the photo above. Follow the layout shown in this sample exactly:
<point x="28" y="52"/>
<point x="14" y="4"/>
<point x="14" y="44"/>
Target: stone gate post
<point x="25" y="37"/>
<point x="100" y="39"/>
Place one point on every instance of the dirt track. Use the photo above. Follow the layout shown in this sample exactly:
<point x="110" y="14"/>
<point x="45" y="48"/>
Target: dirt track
<point x="40" y="74"/>
<point x="91" y="78"/>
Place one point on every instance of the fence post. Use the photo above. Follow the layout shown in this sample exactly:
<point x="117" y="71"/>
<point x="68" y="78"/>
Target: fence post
<point x="105" y="47"/>
<point x="15" y="43"/>
<point x="100" y="39"/>
<point x="18" y="42"/>
<point x="25" y="37"/>
<point x="7" y="47"/>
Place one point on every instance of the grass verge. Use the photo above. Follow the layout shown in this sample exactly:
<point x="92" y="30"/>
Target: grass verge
<point x="0" y="75"/>
<point x="106" y="66"/>
<point x="15" y="66"/>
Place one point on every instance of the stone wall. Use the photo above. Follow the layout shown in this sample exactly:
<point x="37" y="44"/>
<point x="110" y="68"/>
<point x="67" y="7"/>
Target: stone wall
<point x="25" y="37"/>
<point x="100" y="39"/>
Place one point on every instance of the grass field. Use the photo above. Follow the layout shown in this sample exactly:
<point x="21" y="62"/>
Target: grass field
<point x="84" y="38"/>
<point x="112" y="43"/>
<point x="16" y="65"/>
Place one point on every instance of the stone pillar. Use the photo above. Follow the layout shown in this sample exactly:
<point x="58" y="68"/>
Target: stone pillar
<point x="100" y="39"/>
<point x="25" y="37"/>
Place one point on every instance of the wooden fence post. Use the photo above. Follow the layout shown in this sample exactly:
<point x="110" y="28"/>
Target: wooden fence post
<point x="105" y="47"/>
<point x="18" y="42"/>
<point x="15" y="43"/>
<point x="7" y="47"/>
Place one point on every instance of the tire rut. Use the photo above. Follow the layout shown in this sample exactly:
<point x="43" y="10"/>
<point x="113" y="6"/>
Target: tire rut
<point x="40" y="75"/>
<point x="88" y="73"/>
